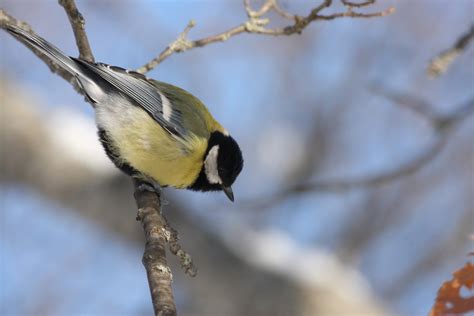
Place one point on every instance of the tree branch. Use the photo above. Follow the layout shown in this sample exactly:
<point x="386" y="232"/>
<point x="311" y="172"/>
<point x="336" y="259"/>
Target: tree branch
<point x="157" y="231"/>
<point x="185" y="259"/>
<point x="77" y="23"/>
<point x="357" y="4"/>
<point x="440" y="64"/>
<point x="154" y="258"/>
<point x="256" y="25"/>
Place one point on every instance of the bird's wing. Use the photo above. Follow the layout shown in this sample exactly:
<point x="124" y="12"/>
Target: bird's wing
<point x="138" y="88"/>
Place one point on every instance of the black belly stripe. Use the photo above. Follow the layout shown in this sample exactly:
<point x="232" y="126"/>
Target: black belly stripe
<point x="110" y="150"/>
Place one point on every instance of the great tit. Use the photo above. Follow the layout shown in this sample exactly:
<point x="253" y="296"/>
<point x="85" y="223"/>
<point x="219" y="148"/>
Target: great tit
<point x="151" y="130"/>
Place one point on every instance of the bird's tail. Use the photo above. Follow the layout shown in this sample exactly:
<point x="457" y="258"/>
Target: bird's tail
<point x="57" y="56"/>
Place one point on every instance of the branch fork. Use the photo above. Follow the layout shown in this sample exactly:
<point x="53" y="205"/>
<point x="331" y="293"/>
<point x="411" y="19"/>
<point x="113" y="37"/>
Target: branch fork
<point x="256" y="24"/>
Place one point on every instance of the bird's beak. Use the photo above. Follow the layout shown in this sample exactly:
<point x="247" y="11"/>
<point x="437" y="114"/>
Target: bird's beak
<point x="228" y="192"/>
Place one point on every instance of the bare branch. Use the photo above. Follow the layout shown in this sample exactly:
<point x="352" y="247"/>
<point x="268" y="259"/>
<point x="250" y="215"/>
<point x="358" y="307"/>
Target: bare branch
<point x="413" y="103"/>
<point x="441" y="63"/>
<point x="351" y="14"/>
<point x="77" y="23"/>
<point x="343" y="185"/>
<point x="184" y="258"/>
<point x="256" y="24"/>
<point x="281" y="12"/>
<point x="179" y="45"/>
<point x="423" y="109"/>
<point x="157" y="231"/>
<point x="357" y="4"/>
<point x="154" y="258"/>
<point x="267" y="6"/>
<point x="449" y="122"/>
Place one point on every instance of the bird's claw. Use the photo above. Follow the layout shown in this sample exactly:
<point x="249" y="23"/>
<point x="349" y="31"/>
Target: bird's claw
<point x="154" y="188"/>
<point x="149" y="187"/>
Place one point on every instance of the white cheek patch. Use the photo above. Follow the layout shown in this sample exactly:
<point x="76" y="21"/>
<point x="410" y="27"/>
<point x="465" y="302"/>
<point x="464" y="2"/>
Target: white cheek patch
<point x="167" y="110"/>
<point x="210" y="166"/>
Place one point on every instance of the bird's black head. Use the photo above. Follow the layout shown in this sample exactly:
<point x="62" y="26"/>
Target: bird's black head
<point x="222" y="164"/>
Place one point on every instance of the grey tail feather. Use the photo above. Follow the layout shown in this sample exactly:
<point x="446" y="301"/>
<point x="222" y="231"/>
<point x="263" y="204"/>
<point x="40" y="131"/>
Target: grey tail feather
<point x="57" y="56"/>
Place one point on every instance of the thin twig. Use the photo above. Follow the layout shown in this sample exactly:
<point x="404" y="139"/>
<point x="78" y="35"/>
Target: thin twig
<point x="267" y="6"/>
<point x="411" y="102"/>
<point x="179" y="45"/>
<point x="281" y="12"/>
<point x="353" y="14"/>
<point x="423" y="109"/>
<point x="357" y="4"/>
<point x="344" y="185"/>
<point x="154" y="257"/>
<point x="256" y="24"/>
<point x="440" y="64"/>
<point x="175" y="247"/>
<point x="77" y="22"/>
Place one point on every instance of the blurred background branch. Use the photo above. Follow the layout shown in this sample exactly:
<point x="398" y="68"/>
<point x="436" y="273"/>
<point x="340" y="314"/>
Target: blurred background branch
<point x="443" y="126"/>
<point x="440" y="64"/>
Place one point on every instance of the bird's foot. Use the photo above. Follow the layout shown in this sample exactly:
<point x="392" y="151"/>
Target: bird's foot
<point x="155" y="187"/>
<point x="150" y="187"/>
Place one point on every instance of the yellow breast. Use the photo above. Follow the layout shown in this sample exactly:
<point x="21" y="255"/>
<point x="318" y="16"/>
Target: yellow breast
<point x="148" y="148"/>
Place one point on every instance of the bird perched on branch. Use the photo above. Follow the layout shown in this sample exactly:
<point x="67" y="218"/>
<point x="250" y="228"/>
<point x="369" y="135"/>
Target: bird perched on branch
<point x="153" y="131"/>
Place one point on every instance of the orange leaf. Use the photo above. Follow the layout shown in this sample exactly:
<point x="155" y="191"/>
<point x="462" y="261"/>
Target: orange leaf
<point x="449" y="300"/>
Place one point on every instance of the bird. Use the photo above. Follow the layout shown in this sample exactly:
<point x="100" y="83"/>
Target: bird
<point x="155" y="132"/>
